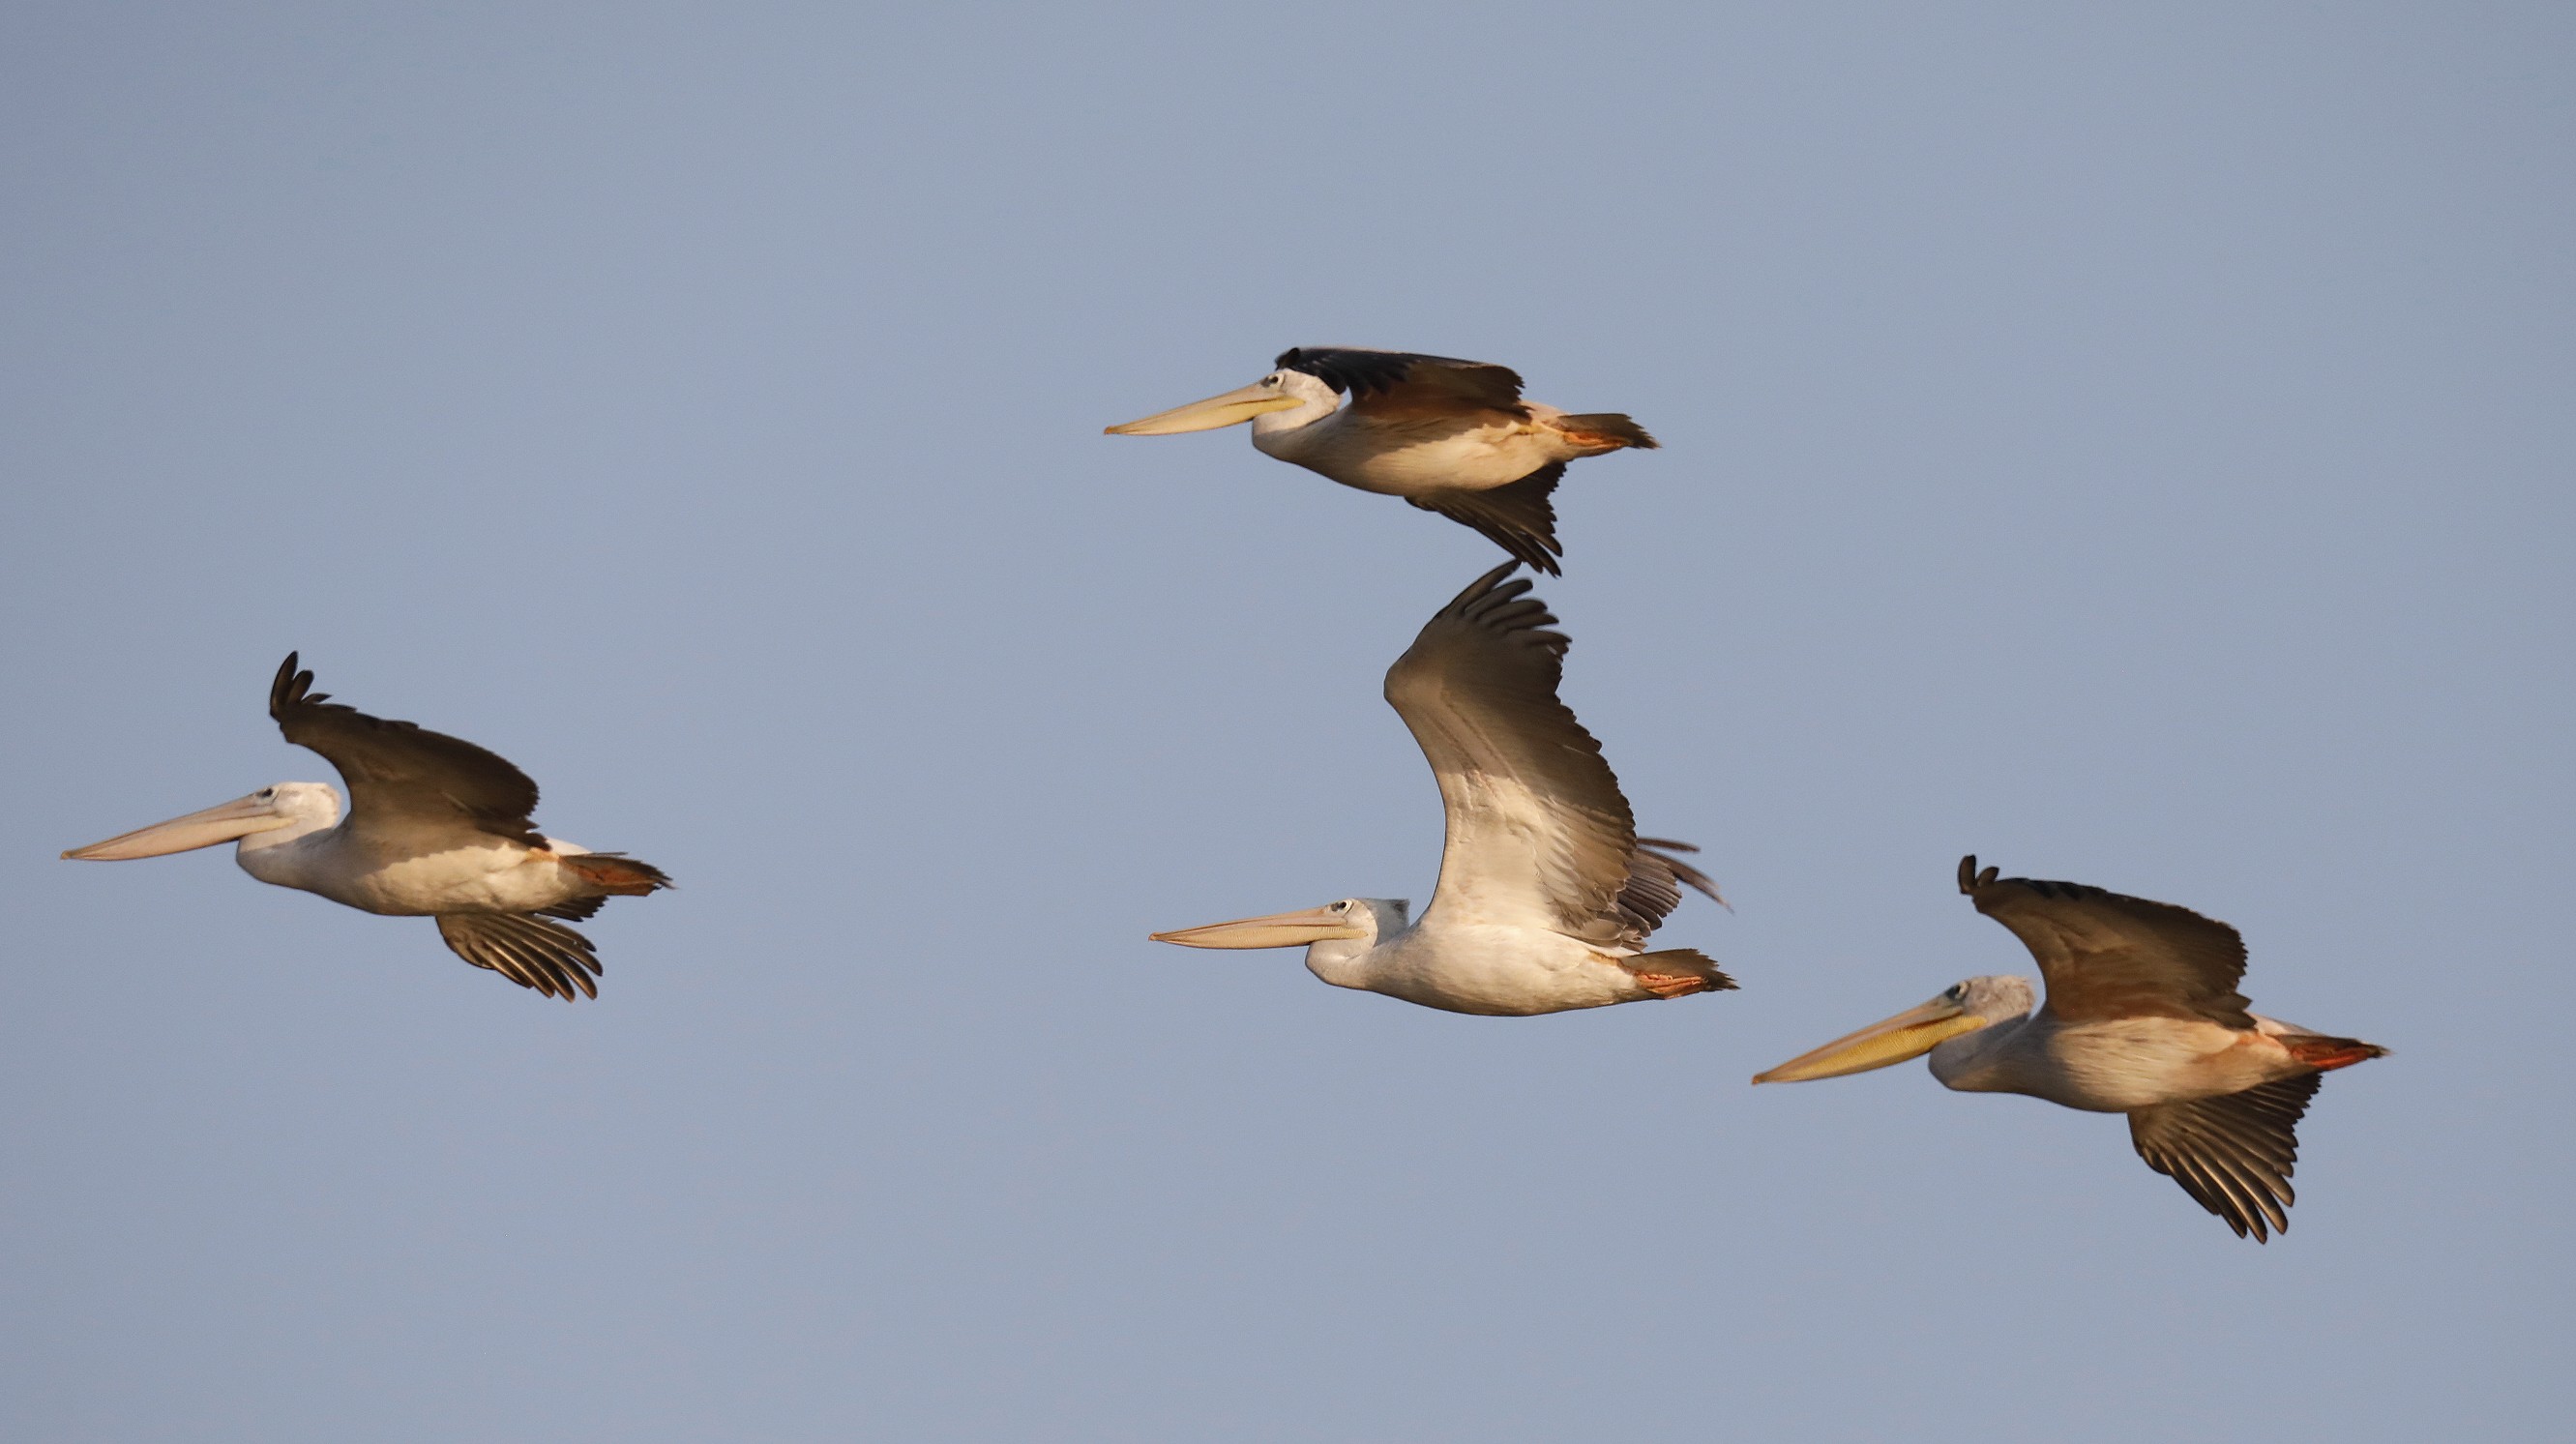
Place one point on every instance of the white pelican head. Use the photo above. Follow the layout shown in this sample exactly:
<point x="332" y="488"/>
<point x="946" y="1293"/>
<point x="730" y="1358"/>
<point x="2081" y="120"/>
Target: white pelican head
<point x="1363" y="920"/>
<point x="1281" y="390"/>
<point x="303" y="807"/>
<point x="1962" y="1009"/>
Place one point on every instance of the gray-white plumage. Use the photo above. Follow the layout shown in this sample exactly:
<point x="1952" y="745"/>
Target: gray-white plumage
<point x="2142" y="1017"/>
<point x="1447" y="435"/>
<point x="436" y="826"/>
<point x="1546" y="895"/>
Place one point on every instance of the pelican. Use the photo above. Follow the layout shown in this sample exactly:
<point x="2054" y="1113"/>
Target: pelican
<point x="437" y="827"/>
<point x="1546" y="893"/>
<point x="2142" y="1018"/>
<point x="1449" y="436"/>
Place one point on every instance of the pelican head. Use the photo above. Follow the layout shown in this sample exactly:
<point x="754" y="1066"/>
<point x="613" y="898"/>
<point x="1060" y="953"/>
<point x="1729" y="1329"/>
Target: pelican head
<point x="302" y="806"/>
<point x="1962" y="1009"/>
<point x="1281" y="390"/>
<point x="1356" y="919"/>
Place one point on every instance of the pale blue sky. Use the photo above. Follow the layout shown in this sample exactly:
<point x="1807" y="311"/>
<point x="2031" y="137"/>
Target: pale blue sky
<point x="2131" y="444"/>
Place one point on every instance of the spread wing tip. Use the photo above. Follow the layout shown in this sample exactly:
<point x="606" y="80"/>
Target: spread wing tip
<point x="1970" y="879"/>
<point x="292" y="687"/>
<point x="542" y="956"/>
<point x="1663" y="849"/>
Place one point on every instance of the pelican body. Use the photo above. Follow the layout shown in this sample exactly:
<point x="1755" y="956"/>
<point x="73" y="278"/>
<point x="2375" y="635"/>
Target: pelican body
<point x="1546" y="894"/>
<point x="1449" y="436"/>
<point x="437" y="827"/>
<point x="2142" y="1018"/>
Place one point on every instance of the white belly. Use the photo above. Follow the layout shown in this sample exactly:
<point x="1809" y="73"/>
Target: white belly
<point x="2131" y="1063"/>
<point x="502" y="877"/>
<point x="1496" y="971"/>
<point x="1408" y="460"/>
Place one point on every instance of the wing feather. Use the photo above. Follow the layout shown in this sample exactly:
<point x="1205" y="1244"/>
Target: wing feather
<point x="1539" y="834"/>
<point x="1407" y="383"/>
<point x="400" y="770"/>
<point x="2106" y="956"/>
<point x="1518" y="516"/>
<point x="528" y="950"/>
<point x="1654" y="888"/>
<point x="2235" y="1153"/>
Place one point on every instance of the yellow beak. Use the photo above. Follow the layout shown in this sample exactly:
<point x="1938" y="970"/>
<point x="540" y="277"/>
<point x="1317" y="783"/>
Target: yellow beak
<point x="1239" y="405"/>
<point x="1279" y="930"/>
<point x="235" y="819"/>
<point x="1909" y="1034"/>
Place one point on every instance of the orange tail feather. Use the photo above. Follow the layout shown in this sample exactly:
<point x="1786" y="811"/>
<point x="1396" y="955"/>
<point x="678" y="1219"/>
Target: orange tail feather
<point x="2327" y="1054"/>
<point x="622" y="876"/>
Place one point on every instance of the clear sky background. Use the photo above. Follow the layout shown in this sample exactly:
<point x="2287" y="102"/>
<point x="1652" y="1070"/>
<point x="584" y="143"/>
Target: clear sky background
<point x="2131" y="444"/>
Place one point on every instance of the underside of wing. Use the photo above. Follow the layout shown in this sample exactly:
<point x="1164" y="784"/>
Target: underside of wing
<point x="1519" y="517"/>
<point x="402" y="772"/>
<point x="2233" y="1153"/>
<point x="529" y="951"/>
<point x="2105" y="955"/>
<point x="1538" y="833"/>
<point x="1398" y="384"/>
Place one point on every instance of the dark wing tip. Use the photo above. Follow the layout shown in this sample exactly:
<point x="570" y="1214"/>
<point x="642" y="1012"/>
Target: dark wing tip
<point x="1519" y="516"/>
<point x="1688" y="876"/>
<point x="1359" y="371"/>
<point x="544" y="957"/>
<point x="291" y="687"/>
<point x="1496" y="586"/>
<point x="1970" y="879"/>
<point x="1501" y="603"/>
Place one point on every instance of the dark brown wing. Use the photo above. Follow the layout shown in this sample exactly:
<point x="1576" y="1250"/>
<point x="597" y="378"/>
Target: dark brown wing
<point x="1408" y="382"/>
<point x="2108" y="956"/>
<point x="2234" y="1153"/>
<point x="1516" y="516"/>
<point x="399" y="772"/>
<point x="529" y="951"/>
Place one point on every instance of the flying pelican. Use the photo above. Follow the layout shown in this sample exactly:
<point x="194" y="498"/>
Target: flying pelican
<point x="437" y="827"/>
<point x="2142" y="1018"/>
<point x="1449" y="436"/>
<point x="1546" y="893"/>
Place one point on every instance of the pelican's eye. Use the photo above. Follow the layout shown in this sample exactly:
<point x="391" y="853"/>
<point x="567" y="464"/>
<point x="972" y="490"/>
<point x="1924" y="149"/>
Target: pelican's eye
<point x="1341" y="907"/>
<point x="266" y="793"/>
<point x="1958" y="993"/>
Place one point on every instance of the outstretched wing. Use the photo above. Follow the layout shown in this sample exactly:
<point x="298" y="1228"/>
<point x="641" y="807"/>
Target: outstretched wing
<point x="1538" y="832"/>
<point x="2108" y="956"/>
<point x="529" y="951"/>
<point x="2234" y="1153"/>
<point x="1393" y="384"/>
<point x="1518" y="516"/>
<point x="400" y="773"/>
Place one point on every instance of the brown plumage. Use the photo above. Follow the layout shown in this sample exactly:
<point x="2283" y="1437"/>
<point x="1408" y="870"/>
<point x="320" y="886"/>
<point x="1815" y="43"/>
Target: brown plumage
<point x="1450" y="436"/>
<point x="2104" y="955"/>
<point x="402" y="768"/>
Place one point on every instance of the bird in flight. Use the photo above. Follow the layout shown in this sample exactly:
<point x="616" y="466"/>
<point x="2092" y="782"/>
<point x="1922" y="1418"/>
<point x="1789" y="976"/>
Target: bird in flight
<point x="1449" y="436"/>
<point x="1546" y="894"/>
<point x="436" y="827"/>
<point x="2142" y="1017"/>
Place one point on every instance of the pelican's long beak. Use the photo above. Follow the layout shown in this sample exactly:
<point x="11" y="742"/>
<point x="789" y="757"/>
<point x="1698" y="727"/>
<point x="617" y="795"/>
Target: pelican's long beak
<point x="1279" y="930"/>
<point x="238" y="818"/>
<point x="1909" y="1034"/>
<point x="1238" y="405"/>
